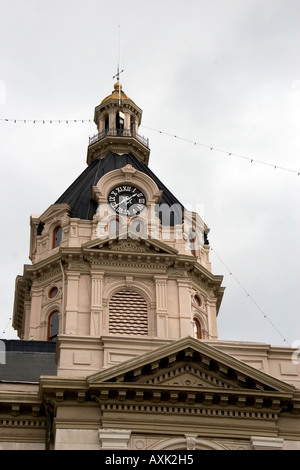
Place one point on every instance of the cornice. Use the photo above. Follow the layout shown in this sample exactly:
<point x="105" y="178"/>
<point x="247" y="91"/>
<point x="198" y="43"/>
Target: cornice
<point x="184" y="396"/>
<point x="200" y="273"/>
<point x="17" y="404"/>
<point x="21" y="397"/>
<point x="147" y="384"/>
<point x="40" y="272"/>
<point x="112" y="103"/>
<point x="265" y="404"/>
<point x="32" y="271"/>
<point x="117" y="144"/>
<point x="207" y="281"/>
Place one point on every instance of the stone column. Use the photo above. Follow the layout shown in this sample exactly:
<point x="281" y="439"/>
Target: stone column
<point x="211" y="306"/>
<point x="96" y="303"/>
<point x="71" y="310"/>
<point x="161" y="306"/>
<point x="185" y="314"/>
<point x="114" y="439"/>
<point x="35" y="313"/>
<point x="27" y="310"/>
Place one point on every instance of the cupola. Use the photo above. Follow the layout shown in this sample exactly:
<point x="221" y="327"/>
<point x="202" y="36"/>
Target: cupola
<point x="118" y="118"/>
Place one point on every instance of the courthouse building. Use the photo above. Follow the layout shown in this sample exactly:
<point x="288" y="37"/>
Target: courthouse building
<point x="117" y="318"/>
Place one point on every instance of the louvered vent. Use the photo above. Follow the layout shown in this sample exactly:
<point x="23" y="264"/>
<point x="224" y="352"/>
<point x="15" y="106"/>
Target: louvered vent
<point x="128" y="314"/>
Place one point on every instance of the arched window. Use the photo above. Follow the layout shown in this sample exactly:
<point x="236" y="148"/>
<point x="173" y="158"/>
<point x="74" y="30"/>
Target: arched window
<point x="57" y="235"/>
<point x="53" y="326"/>
<point x="197" y="329"/>
<point x="128" y="313"/>
<point x="137" y="227"/>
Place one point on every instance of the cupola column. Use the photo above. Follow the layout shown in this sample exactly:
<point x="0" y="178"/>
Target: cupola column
<point x="135" y="127"/>
<point x="101" y="125"/>
<point x="112" y="122"/>
<point x="127" y="124"/>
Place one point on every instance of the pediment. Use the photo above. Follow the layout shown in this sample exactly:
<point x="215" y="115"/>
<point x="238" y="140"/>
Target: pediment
<point x="186" y="378"/>
<point x="191" y="364"/>
<point x="188" y="375"/>
<point x="130" y="244"/>
<point x="54" y="211"/>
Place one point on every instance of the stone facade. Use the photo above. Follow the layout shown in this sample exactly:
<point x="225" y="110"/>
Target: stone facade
<point x="128" y="295"/>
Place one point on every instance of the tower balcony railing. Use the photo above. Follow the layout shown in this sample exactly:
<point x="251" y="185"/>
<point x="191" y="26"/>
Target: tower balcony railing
<point x="118" y="133"/>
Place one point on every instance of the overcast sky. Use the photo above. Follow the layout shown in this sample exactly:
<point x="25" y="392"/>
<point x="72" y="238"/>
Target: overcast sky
<point x="225" y="74"/>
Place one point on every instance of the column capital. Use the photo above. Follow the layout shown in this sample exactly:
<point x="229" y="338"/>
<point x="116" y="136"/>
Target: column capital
<point x="160" y="278"/>
<point x="266" y="443"/>
<point x="114" y="438"/>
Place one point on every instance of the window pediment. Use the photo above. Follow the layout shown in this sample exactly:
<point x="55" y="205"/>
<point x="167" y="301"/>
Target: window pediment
<point x="55" y="212"/>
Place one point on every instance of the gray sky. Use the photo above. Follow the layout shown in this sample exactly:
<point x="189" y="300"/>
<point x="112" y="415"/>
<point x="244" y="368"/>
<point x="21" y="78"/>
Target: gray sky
<point x="225" y="74"/>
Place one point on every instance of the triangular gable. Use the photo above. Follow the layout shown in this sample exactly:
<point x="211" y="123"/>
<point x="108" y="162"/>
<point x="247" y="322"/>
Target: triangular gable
<point x="190" y="363"/>
<point x="187" y="375"/>
<point x="129" y="244"/>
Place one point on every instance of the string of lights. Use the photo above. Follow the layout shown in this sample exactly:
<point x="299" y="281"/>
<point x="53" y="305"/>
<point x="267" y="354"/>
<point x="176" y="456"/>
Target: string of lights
<point x="209" y="147"/>
<point x="8" y="323"/>
<point x="226" y="152"/>
<point x="250" y="297"/>
<point x="45" y="121"/>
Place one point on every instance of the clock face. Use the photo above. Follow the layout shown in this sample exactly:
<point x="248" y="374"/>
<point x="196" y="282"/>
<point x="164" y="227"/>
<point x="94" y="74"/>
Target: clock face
<point x="127" y="200"/>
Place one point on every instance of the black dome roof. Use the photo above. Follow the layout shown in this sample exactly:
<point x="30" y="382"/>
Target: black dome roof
<point x="79" y="194"/>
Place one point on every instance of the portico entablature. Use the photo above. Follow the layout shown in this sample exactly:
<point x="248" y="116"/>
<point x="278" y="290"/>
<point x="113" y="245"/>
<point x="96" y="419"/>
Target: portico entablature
<point x="215" y="394"/>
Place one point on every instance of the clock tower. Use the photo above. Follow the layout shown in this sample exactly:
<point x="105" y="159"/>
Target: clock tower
<point x="117" y="316"/>
<point x="118" y="266"/>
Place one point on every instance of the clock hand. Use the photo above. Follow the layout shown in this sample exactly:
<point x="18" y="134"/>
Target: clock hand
<point x="130" y="197"/>
<point x="126" y="199"/>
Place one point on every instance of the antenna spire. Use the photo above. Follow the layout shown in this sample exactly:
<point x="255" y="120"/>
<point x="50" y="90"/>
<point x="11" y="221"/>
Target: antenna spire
<point x="117" y="76"/>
